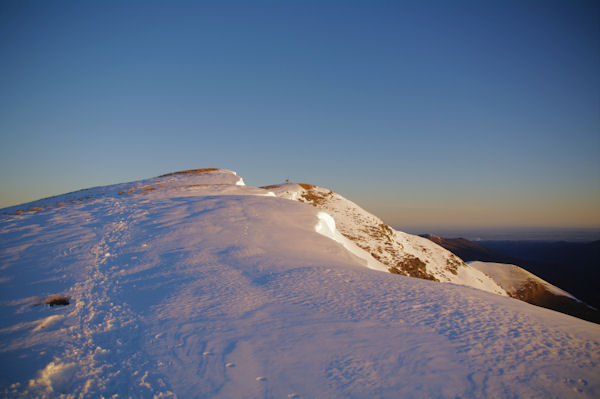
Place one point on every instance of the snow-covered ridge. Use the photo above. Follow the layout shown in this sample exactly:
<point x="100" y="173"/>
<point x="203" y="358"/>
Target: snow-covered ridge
<point x="515" y="280"/>
<point x="381" y="247"/>
<point x="527" y="287"/>
<point x="204" y="176"/>
<point x="401" y="253"/>
<point x="190" y="182"/>
<point x="215" y="290"/>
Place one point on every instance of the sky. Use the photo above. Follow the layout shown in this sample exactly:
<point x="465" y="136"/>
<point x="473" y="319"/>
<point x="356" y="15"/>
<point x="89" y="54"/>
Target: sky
<point x="426" y="113"/>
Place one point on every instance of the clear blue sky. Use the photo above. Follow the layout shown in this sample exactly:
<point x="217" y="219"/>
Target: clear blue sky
<point x="433" y="113"/>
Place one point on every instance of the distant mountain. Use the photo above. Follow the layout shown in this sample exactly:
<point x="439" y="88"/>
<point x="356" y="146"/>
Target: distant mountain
<point x="549" y="251"/>
<point x="193" y="284"/>
<point x="466" y="249"/>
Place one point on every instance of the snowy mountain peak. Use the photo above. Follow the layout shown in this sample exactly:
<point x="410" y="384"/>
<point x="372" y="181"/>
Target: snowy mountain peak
<point x="401" y="253"/>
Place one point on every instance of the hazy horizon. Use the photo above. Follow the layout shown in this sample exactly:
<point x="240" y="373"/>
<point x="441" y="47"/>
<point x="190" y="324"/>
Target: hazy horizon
<point x="425" y="113"/>
<point x="508" y="233"/>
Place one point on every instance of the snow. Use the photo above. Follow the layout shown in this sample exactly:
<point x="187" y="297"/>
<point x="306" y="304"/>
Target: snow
<point x="216" y="290"/>
<point x="391" y="246"/>
<point x="326" y="226"/>
<point x="512" y="277"/>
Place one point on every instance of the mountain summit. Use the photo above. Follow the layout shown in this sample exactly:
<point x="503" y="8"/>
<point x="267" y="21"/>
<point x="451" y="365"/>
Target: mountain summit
<point x="193" y="284"/>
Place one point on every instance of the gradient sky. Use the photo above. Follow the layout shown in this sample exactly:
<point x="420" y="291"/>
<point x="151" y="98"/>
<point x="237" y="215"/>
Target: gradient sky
<point x="427" y="113"/>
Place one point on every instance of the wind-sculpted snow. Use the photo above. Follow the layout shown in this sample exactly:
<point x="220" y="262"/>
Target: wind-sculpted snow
<point x="326" y="226"/>
<point x="213" y="292"/>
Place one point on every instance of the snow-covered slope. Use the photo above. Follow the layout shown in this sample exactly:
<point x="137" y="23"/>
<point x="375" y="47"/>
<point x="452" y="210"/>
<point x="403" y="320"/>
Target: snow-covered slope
<point x="516" y="280"/>
<point x="526" y="286"/>
<point x="192" y="286"/>
<point x="401" y="253"/>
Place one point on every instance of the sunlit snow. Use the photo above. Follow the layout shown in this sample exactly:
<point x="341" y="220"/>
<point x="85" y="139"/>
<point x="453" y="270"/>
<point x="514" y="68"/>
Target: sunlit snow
<point x="217" y="290"/>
